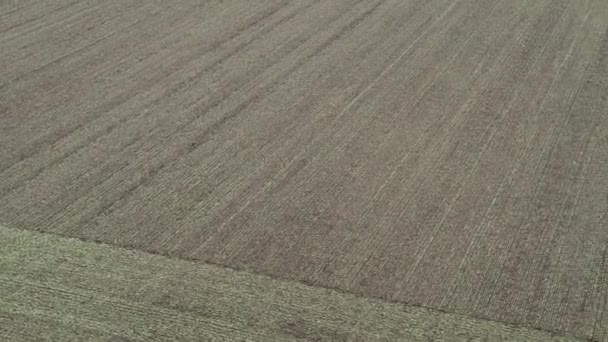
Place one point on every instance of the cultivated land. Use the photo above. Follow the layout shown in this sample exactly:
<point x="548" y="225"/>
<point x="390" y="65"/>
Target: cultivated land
<point x="435" y="169"/>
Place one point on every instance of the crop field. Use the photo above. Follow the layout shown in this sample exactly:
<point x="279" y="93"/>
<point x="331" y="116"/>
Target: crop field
<point x="343" y="169"/>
